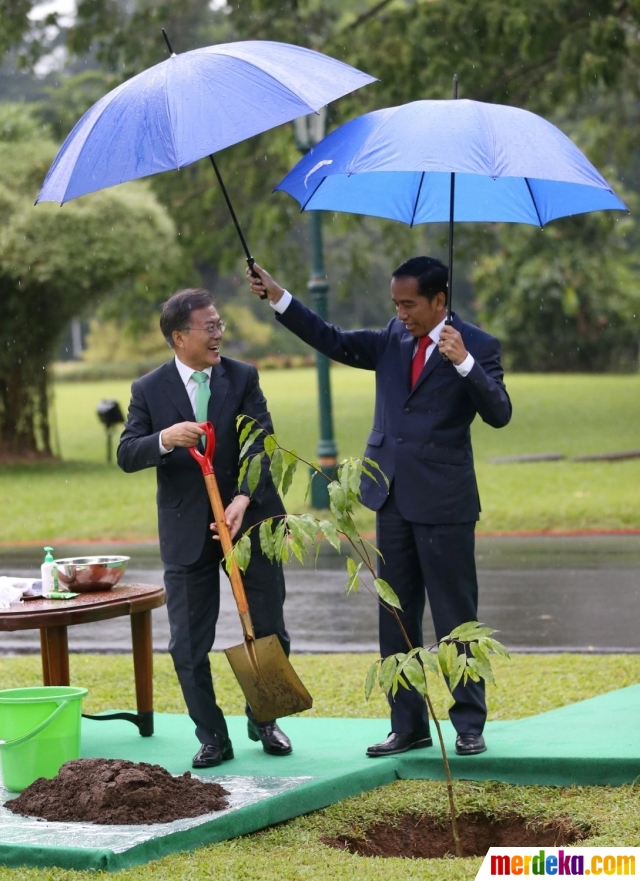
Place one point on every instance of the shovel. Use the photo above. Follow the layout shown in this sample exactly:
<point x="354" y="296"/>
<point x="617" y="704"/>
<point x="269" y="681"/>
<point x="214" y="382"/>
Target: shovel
<point x="269" y="683"/>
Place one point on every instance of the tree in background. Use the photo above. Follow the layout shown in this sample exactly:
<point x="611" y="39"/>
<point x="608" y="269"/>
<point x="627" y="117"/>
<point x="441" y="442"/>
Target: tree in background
<point x="574" y="61"/>
<point x="55" y="263"/>
<point x="565" y="298"/>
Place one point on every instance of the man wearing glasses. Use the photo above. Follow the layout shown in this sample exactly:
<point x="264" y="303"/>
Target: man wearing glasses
<point x="200" y="385"/>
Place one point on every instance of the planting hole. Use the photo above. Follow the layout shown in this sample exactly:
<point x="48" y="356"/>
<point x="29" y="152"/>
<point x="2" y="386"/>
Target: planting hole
<point x="424" y="836"/>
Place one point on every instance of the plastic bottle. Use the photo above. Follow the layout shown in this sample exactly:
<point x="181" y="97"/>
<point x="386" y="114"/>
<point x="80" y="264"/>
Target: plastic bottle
<point x="49" y="572"/>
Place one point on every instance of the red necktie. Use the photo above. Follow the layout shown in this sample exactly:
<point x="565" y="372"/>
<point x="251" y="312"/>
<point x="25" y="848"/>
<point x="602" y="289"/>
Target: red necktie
<point x="418" y="359"/>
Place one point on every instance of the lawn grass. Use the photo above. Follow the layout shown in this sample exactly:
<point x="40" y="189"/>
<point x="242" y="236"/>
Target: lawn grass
<point x="292" y="851"/>
<point x="84" y="498"/>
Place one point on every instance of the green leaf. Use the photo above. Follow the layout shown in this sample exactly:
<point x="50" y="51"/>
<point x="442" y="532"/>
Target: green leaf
<point x="298" y="536"/>
<point x="298" y="549"/>
<point x="443" y="658"/>
<point x="387" y="673"/>
<point x="270" y="445"/>
<point x="387" y="593"/>
<point x="308" y="489"/>
<point x="330" y="533"/>
<point x="480" y="651"/>
<point x="429" y="661"/>
<point x="414" y="675"/>
<point x="289" y="456"/>
<point x="345" y="525"/>
<point x="483" y="632"/>
<point x="481" y="664"/>
<point x="461" y="631"/>
<point x="267" y="544"/>
<point x="243" y="471"/>
<point x="276" y="467"/>
<point x="472" y="632"/>
<point x="403" y="658"/>
<point x="279" y="540"/>
<point x="355" y="476"/>
<point x="458" y="671"/>
<point x="254" y="472"/>
<point x="471" y="670"/>
<point x="287" y="478"/>
<point x="371" y="464"/>
<point x="353" y="569"/>
<point x="370" y="681"/>
<point x="343" y="475"/>
<point x="249" y="441"/>
<point x="366" y="471"/>
<point x="338" y="499"/>
<point x="452" y="652"/>
<point x="497" y="647"/>
<point x="248" y="425"/>
<point x="310" y="527"/>
<point x="242" y="552"/>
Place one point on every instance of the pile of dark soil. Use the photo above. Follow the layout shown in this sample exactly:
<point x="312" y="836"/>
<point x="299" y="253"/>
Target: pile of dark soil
<point x="424" y="836"/>
<point x="116" y="791"/>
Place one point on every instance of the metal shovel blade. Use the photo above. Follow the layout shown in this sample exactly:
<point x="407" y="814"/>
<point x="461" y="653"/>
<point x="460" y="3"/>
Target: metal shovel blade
<point x="269" y="682"/>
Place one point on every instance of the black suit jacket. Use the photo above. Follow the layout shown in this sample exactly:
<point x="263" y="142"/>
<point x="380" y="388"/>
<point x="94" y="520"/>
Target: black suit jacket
<point x="159" y="400"/>
<point x="421" y="437"/>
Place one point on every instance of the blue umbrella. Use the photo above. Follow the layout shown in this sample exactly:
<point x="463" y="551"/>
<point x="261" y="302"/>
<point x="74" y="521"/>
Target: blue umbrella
<point x="190" y="106"/>
<point x="432" y="161"/>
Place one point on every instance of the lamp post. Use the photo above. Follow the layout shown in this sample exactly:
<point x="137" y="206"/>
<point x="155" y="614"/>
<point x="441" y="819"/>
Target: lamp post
<point x="309" y="130"/>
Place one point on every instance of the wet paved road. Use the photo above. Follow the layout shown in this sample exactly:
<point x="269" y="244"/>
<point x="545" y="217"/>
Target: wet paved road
<point x="542" y="594"/>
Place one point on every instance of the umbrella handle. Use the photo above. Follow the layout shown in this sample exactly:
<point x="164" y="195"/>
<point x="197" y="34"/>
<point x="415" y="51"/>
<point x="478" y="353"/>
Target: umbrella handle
<point x="205" y="460"/>
<point x="250" y="262"/>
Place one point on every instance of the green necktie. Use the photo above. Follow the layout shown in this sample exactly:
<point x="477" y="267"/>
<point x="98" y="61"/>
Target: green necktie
<point x="203" y="393"/>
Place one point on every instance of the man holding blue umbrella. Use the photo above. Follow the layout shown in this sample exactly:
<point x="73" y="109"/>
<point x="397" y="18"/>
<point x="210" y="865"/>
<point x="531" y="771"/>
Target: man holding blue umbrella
<point x="432" y="379"/>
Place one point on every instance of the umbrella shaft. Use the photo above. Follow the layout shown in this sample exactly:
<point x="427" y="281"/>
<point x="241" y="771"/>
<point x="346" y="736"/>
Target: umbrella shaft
<point x="452" y="199"/>
<point x="230" y="207"/>
<point x="250" y="259"/>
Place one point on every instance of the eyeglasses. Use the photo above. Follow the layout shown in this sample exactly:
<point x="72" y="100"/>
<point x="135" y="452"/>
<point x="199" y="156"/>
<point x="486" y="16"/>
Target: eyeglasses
<point x="210" y="328"/>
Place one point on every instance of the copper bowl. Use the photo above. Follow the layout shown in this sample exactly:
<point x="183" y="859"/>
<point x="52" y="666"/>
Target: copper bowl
<point x="84" y="574"/>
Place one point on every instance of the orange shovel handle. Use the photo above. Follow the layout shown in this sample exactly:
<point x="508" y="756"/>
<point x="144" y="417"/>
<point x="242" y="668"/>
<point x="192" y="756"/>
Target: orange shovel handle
<point x="205" y="460"/>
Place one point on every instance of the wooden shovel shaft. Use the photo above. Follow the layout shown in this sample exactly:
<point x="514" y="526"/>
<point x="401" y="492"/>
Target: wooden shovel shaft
<point x="225" y="540"/>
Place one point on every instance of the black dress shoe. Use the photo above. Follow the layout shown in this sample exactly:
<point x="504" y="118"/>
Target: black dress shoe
<point x="274" y="740"/>
<point x="470" y="744"/>
<point x="211" y="754"/>
<point x="399" y="743"/>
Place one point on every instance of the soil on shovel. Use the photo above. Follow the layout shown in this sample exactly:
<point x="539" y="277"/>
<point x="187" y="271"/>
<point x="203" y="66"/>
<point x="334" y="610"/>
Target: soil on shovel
<point x="114" y="791"/>
<point x="424" y="836"/>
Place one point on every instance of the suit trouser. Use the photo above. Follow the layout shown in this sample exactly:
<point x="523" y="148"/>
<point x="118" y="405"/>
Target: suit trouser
<point x="439" y="560"/>
<point x="193" y="604"/>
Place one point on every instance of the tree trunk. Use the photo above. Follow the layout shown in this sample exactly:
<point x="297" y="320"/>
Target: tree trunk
<point x="24" y="413"/>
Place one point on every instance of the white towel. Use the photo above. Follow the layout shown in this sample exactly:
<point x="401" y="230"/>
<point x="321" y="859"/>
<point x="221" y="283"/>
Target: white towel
<point x="11" y="589"/>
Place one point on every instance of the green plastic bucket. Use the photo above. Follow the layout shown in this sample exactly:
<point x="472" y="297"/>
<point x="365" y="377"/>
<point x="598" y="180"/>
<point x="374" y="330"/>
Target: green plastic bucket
<point x="39" y="732"/>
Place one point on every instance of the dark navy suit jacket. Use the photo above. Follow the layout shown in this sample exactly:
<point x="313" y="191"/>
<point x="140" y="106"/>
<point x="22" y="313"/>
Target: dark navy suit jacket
<point x="159" y="400"/>
<point x="421" y="438"/>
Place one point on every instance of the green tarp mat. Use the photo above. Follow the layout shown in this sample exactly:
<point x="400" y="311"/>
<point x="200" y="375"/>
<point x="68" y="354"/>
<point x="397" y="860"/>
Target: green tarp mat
<point x="593" y="742"/>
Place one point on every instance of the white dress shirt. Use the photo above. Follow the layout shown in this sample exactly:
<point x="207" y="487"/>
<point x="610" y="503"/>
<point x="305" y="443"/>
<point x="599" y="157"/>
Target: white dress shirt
<point x="186" y="374"/>
<point x="463" y="368"/>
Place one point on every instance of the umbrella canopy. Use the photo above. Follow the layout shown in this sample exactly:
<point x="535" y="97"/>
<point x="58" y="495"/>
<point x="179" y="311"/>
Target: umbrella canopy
<point x="191" y="106"/>
<point x="509" y="165"/>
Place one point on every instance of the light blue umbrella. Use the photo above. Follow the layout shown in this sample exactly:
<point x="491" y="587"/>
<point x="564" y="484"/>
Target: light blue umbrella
<point x="190" y="106"/>
<point x="455" y="160"/>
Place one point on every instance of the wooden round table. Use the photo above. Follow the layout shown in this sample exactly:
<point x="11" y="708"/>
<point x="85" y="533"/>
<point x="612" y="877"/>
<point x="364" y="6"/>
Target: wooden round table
<point x="52" y="617"/>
